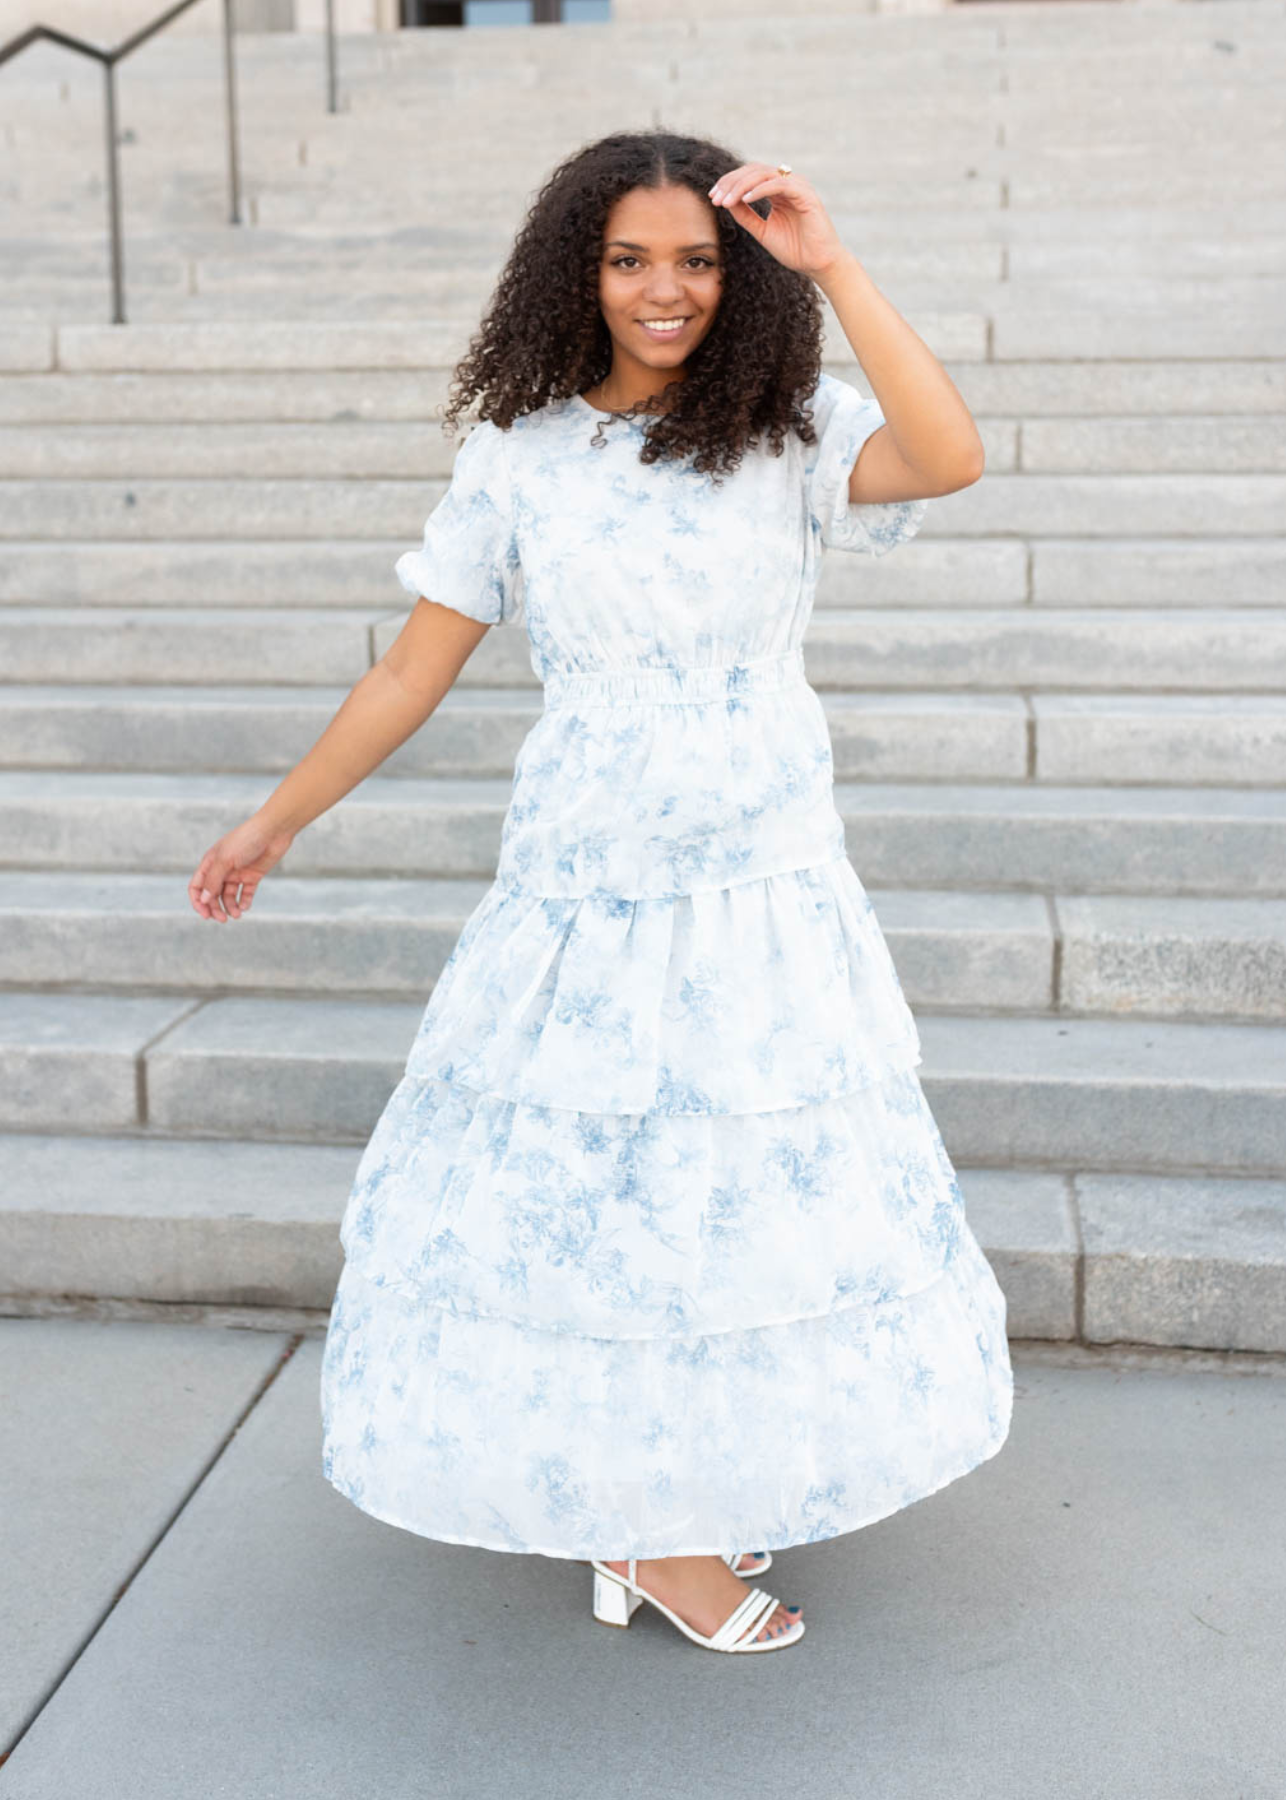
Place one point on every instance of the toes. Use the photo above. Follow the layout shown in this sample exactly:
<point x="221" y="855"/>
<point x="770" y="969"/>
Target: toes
<point x="778" y="1623"/>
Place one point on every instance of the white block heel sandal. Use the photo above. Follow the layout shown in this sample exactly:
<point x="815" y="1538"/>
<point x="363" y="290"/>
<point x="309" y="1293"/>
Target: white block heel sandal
<point x="617" y="1599"/>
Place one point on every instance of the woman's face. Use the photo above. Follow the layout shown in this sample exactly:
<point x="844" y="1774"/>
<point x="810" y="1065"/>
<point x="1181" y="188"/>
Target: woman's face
<point x="661" y="260"/>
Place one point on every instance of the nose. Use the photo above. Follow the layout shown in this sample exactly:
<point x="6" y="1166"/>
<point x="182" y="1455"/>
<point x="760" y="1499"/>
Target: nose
<point x="666" y="294"/>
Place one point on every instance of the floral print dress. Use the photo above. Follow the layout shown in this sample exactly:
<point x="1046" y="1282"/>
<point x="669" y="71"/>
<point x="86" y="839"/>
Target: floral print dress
<point x="655" y="1248"/>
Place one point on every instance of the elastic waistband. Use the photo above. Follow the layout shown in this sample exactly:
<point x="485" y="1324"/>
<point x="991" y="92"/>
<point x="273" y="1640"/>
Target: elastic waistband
<point x="662" y="686"/>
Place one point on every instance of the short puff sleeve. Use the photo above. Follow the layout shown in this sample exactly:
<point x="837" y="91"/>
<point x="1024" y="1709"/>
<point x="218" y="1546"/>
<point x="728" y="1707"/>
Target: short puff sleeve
<point x="469" y="557"/>
<point x="843" y="420"/>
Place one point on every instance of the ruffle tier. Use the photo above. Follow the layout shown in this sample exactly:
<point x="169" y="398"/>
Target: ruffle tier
<point x="654" y="1226"/>
<point x="777" y="991"/>
<point x="488" y="1432"/>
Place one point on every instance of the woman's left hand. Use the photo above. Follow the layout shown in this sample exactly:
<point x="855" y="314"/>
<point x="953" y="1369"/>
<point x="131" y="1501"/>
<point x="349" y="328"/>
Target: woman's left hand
<point x="798" y="231"/>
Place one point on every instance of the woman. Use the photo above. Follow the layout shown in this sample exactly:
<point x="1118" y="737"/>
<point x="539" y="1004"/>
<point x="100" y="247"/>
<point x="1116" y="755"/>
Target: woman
<point x="655" y="1251"/>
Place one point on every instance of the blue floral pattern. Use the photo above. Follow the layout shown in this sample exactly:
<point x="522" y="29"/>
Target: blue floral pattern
<point x="655" y="1248"/>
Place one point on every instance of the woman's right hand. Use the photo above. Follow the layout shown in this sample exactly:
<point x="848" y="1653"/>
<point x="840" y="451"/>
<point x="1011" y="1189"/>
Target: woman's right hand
<point x="240" y="860"/>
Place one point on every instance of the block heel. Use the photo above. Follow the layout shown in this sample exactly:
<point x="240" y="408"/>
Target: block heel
<point x="614" y="1604"/>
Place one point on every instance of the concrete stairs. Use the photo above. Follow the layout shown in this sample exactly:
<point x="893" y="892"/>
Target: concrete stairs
<point x="1058" y="716"/>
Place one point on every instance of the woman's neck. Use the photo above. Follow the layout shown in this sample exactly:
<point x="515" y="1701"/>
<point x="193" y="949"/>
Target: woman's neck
<point x="604" y="404"/>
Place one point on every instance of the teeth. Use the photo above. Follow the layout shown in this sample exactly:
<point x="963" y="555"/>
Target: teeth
<point x="663" y="324"/>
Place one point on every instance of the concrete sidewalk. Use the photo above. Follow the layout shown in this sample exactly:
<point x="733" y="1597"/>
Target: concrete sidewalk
<point x="1098" y="1611"/>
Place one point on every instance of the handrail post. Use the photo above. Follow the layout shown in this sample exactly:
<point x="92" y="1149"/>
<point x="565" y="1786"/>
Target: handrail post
<point x="114" y="192"/>
<point x="230" y="94"/>
<point x="330" y="56"/>
<point x="109" y="59"/>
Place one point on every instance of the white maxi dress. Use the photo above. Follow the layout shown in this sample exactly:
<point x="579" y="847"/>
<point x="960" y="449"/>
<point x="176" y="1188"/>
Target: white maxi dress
<point x="655" y="1248"/>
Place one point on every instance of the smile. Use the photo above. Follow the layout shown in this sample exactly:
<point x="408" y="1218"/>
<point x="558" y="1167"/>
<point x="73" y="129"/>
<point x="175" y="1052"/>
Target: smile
<point x="663" y="328"/>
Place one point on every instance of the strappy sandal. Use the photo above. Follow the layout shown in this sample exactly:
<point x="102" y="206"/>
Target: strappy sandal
<point x="734" y="1557"/>
<point x="617" y="1598"/>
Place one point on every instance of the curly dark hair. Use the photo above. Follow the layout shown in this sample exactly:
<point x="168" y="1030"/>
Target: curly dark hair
<point x="543" y="336"/>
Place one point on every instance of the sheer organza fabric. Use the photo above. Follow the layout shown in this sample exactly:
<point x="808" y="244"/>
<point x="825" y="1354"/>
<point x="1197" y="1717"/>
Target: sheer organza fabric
<point x="655" y="1248"/>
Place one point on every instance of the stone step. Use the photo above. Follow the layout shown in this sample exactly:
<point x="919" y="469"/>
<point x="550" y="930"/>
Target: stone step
<point x="171" y="1219"/>
<point x="993" y="649"/>
<point x="1015" y="837"/>
<point x="192" y="294"/>
<point x="337" y="573"/>
<point x="1036" y="506"/>
<point x="281" y="195"/>
<point x="1040" y="132"/>
<point x="1160" y="738"/>
<point x="1033" y="246"/>
<point x="962" y="334"/>
<point x="1022" y="647"/>
<point x="1013" y="330"/>
<point x="181" y="373"/>
<point x="39" y="271"/>
<point x="1123" y="238"/>
<point x="1053" y="90"/>
<point x="1217" y="383"/>
<point x="1172" y="956"/>
<point x="1051" y="97"/>
<point x="235" y="451"/>
<point x="1022" y="332"/>
<point x="933" y="572"/>
<point x="1044" y="1092"/>
<point x="1247" y="443"/>
<point x="1125" y="445"/>
<point x="935" y="142"/>
<point x="326" y="201"/>
<point x="1064" y="392"/>
<point x="1221" y="958"/>
<point x="914" y="187"/>
<point x="977" y="260"/>
<point x="477" y="731"/>
<point x="347" y="344"/>
<point x="104" y="645"/>
<point x="1159" y="1259"/>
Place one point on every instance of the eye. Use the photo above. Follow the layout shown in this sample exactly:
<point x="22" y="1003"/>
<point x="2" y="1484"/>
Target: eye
<point x="620" y="261"/>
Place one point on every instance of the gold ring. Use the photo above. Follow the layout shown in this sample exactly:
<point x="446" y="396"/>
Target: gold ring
<point x="783" y="168"/>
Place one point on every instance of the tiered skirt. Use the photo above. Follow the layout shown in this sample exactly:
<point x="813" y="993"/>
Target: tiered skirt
<point x="655" y="1248"/>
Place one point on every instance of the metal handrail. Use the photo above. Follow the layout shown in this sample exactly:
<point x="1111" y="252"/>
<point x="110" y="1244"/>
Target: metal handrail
<point x="109" y="60"/>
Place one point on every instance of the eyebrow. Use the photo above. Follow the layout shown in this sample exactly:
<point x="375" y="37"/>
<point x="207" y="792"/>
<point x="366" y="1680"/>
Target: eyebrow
<point x="626" y="245"/>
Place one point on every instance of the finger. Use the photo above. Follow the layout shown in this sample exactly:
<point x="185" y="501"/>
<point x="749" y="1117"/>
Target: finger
<point x="733" y="185"/>
<point x="203" y="884"/>
<point x="239" y="890"/>
<point x="726" y="180"/>
<point x="735" y="180"/>
<point x="765" y="185"/>
<point x="210" y="890"/>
